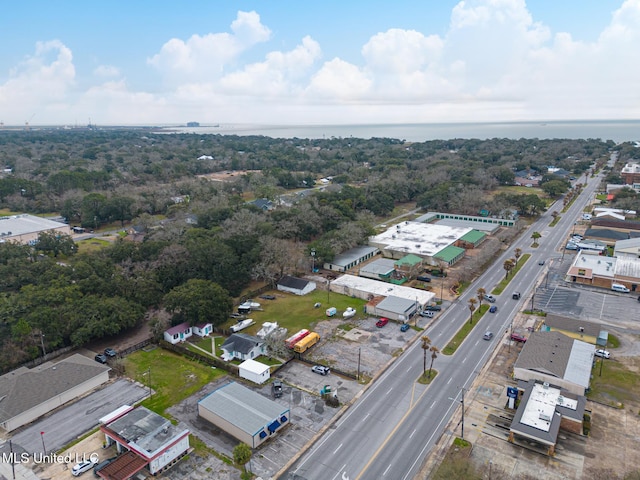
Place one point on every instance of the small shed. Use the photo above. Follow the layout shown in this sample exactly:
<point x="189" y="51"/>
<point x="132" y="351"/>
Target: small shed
<point x="297" y="286"/>
<point x="255" y="372"/>
<point x="179" y="333"/>
<point x="203" y="329"/>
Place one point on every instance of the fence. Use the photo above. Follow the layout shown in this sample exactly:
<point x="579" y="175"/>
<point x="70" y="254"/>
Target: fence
<point x="199" y="357"/>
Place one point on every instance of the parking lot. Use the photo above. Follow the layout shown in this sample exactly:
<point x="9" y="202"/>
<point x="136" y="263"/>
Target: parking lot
<point x="362" y="344"/>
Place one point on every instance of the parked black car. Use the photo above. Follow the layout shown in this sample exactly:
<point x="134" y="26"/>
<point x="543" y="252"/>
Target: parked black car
<point x="110" y="352"/>
<point x="433" y="308"/>
<point x="101" y="358"/>
<point x="276" y="388"/>
<point x="423" y="278"/>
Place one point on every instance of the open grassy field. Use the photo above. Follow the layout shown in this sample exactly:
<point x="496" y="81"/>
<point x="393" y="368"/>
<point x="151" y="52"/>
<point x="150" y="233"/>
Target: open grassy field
<point x="173" y="378"/>
<point x="296" y="312"/>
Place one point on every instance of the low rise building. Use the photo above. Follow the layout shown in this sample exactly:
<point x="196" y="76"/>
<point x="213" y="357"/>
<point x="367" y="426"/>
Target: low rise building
<point x="145" y="440"/>
<point x="243" y="413"/>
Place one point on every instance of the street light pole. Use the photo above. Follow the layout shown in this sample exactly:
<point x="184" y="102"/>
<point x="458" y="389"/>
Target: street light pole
<point x="313" y="259"/>
<point x="43" y="447"/>
<point x="462" y="431"/>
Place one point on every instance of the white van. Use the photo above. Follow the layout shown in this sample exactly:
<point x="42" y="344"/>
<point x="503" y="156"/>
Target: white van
<point x="616" y="287"/>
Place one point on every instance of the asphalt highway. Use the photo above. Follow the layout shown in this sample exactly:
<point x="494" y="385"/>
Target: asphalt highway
<point x="390" y="430"/>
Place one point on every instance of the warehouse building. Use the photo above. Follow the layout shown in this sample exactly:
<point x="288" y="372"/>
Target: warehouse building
<point x="243" y="413"/>
<point x="25" y="228"/>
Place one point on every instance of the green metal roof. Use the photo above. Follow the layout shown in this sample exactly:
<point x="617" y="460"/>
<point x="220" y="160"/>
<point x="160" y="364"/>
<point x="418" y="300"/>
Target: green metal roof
<point x="410" y="260"/>
<point x="450" y="253"/>
<point x="473" y="236"/>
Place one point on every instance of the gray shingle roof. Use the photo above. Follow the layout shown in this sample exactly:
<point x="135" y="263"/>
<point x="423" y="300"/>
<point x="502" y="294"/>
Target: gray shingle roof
<point x="25" y="388"/>
<point x="572" y="325"/>
<point x="293" y="282"/>
<point x="241" y="342"/>
<point x="546" y="352"/>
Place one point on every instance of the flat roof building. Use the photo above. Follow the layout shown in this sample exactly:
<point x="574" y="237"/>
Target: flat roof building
<point x="145" y="439"/>
<point x="367" y="288"/>
<point x="423" y="239"/>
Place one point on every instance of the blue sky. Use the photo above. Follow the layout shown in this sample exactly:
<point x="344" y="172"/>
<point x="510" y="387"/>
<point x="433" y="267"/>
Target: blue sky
<point x="331" y="62"/>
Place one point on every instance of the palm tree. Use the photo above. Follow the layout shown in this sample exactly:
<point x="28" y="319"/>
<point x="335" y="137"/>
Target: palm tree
<point x="535" y="236"/>
<point x="472" y="307"/>
<point x="508" y="266"/>
<point x="481" y="292"/>
<point x="516" y="253"/>
<point x="434" y="354"/>
<point x="426" y="343"/>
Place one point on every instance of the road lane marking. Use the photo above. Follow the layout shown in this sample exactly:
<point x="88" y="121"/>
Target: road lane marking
<point x="389" y="391"/>
<point x="336" y="475"/>
<point x="339" y="446"/>
<point x="385" y="472"/>
<point x="365" y="418"/>
<point x="434" y="402"/>
<point x="413" y="433"/>
<point x="449" y="381"/>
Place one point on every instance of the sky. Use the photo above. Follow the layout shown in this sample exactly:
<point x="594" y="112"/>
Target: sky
<point x="286" y="62"/>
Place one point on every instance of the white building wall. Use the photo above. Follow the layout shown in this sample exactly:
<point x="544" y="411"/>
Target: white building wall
<point x="169" y="455"/>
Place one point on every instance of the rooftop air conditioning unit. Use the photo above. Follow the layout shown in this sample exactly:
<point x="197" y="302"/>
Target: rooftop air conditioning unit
<point x="545" y="385"/>
<point x="544" y="417"/>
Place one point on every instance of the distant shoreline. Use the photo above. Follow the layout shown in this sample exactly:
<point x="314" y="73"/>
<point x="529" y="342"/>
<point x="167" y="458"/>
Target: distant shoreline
<point x="616" y="130"/>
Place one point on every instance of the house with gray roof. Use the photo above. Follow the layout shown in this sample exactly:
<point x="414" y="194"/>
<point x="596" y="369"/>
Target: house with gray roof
<point x="555" y="358"/>
<point x="243" y="413"/>
<point x="27" y="394"/>
<point x="242" y="346"/>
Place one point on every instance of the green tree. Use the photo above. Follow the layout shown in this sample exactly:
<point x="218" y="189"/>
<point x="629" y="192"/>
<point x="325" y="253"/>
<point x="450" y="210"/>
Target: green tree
<point x="508" y="266"/>
<point x="517" y="253"/>
<point x="426" y="343"/>
<point x="535" y="236"/>
<point x="480" y="293"/>
<point x="434" y="354"/>
<point x="199" y="301"/>
<point x="472" y="308"/>
<point x="242" y="454"/>
<point x="56" y="244"/>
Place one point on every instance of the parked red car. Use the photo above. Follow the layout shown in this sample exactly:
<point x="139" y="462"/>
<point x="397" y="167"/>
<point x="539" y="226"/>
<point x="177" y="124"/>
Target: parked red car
<point x="518" y="338"/>
<point x="382" y="322"/>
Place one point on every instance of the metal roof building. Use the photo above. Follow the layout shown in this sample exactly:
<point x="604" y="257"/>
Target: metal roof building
<point x="367" y="288"/>
<point x="25" y="228"/>
<point x="395" y="308"/>
<point x="555" y="358"/>
<point x="351" y="258"/>
<point x="243" y="413"/>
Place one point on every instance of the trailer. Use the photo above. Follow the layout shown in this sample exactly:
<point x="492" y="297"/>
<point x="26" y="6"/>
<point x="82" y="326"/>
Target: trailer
<point x="293" y="339"/>
<point x="331" y="311"/>
<point x="306" y="343"/>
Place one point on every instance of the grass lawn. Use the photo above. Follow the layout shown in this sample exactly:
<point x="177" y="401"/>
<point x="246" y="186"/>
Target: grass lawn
<point x="173" y="378"/>
<point x="425" y="379"/>
<point x="459" y="337"/>
<point x="616" y="385"/>
<point x="92" y="245"/>
<point x="296" y="312"/>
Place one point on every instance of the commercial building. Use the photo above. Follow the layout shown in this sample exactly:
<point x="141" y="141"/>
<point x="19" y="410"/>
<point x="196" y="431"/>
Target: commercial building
<point x="27" y="394"/>
<point x="421" y="239"/>
<point x="544" y="409"/>
<point x="395" y="308"/>
<point x="143" y="439"/>
<point x="25" y="228"/>
<point x="557" y="359"/>
<point x="579" y="329"/>
<point x="589" y="268"/>
<point x="351" y="258"/>
<point x="367" y="289"/>
<point x="243" y="413"/>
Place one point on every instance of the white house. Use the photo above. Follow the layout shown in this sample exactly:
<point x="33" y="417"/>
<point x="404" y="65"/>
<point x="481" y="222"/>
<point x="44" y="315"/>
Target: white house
<point x="179" y="333"/>
<point x="297" y="286"/>
<point x="242" y="347"/>
<point x="203" y="329"/>
<point x="255" y="372"/>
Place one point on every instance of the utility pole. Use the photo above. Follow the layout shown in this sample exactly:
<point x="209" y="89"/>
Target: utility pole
<point x="44" y="352"/>
<point x="462" y="413"/>
<point x="149" y="380"/>
<point x="13" y="461"/>
<point x="358" y="378"/>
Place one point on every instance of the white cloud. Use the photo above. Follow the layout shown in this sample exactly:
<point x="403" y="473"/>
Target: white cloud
<point x="204" y="57"/>
<point x="495" y="62"/>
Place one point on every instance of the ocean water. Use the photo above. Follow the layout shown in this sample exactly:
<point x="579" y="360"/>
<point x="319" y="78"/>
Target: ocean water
<point x="618" y="131"/>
